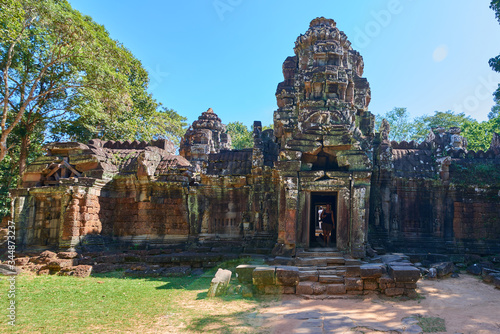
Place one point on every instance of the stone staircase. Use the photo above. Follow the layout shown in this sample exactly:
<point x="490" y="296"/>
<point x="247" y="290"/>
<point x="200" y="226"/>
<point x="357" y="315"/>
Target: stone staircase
<point x="327" y="273"/>
<point x="323" y="271"/>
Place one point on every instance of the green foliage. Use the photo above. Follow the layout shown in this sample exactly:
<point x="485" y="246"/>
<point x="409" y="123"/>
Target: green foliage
<point x="478" y="134"/>
<point x="399" y="122"/>
<point x="446" y="119"/>
<point x="64" y="76"/>
<point x="241" y="136"/>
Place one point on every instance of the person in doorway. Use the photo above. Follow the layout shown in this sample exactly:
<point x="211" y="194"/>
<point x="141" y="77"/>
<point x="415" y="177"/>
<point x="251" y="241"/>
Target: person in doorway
<point x="320" y="212"/>
<point x="328" y="223"/>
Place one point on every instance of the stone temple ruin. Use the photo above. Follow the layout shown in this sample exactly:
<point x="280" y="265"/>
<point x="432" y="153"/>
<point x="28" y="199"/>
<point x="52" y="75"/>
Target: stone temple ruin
<point x="323" y="149"/>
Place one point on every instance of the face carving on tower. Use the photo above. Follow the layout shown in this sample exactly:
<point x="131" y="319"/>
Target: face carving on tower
<point x="322" y="88"/>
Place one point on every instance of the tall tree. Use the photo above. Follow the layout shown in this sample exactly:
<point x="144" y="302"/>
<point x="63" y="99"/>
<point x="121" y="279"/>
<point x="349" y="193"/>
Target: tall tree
<point x="62" y="69"/>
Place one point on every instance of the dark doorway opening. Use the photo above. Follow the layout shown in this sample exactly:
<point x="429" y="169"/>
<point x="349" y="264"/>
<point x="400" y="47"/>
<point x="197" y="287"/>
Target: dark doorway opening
<point x="320" y="200"/>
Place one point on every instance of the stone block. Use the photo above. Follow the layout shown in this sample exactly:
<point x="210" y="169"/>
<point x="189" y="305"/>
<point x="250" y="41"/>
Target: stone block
<point x="404" y="274"/>
<point x="443" y="268"/>
<point x="353" y="271"/>
<point x="336" y="289"/>
<point x="370" y="284"/>
<point x="220" y="283"/>
<point x="372" y="270"/>
<point x="288" y="290"/>
<point x="319" y="289"/>
<point x="58" y="264"/>
<point x="244" y="273"/>
<point x="309" y="275"/>
<point x="331" y="279"/>
<point x="288" y="276"/>
<point x="353" y="283"/>
<point x="391" y="292"/>
<point x="355" y="292"/>
<point x="272" y="290"/>
<point x="304" y="288"/>
<point x="411" y="293"/>
<point x="264" y="276"/>
<point x="67" y="255"/>
<point x="496" y="281"/>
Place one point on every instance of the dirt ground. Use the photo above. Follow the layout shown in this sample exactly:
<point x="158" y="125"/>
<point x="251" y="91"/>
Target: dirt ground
<point x="466" y="304"/>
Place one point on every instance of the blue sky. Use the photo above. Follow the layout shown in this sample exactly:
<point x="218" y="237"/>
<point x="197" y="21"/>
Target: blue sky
<point x="425" y="55"/>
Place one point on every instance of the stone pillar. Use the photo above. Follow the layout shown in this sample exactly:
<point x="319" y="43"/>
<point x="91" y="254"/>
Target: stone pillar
<point x="359" y="213"/>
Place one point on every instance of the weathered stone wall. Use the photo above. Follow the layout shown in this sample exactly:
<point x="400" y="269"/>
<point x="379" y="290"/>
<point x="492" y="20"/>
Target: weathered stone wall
<point x="435" y="197"/>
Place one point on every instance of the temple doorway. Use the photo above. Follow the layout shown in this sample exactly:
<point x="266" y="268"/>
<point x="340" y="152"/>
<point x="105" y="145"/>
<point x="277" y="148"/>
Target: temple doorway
<point x="319" y="201"/>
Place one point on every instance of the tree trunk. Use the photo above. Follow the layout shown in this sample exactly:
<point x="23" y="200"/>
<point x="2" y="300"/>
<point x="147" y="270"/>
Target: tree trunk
<point x="23" y="155"/>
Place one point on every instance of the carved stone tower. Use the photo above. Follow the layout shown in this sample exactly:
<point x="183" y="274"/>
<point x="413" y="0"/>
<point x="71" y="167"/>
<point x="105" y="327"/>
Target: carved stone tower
<point x="324" y="131"/>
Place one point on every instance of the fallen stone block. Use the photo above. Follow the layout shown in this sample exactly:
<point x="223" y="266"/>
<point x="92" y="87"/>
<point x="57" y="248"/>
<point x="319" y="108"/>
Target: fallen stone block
<point x="58" y="264"/>
<point x="78" y="271"/>
<point x="474" y="269"/>
<point x="404" y="274"/>
<point x="496" y="281"/>
<point x="443" y="268"/>
<point x="67" y="255"/>
<point x="220" y="283"/>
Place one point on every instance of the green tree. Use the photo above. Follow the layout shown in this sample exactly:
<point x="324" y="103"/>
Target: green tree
<point x="399" y="122"/>
<point x="62" y="75"/>
<point x="241" y="137"/>
<point x="445" y="119"/>
<point x="62" y="69"/>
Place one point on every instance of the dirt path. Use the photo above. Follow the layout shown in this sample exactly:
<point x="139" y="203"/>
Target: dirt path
<point x="466" y="304"/>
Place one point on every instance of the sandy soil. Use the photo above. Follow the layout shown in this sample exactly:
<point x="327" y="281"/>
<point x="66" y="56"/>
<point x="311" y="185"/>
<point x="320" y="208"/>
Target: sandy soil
<point x="467" y="304"/>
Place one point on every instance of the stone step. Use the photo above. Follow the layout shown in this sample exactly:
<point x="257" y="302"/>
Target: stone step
<point x="319" y="261"/>
<point x="329" y="279"/>
<point x="335" y="271"/>
<point x="319" y="254"/>
<point x="316" y="288"/>
<point x="309" y="276"/>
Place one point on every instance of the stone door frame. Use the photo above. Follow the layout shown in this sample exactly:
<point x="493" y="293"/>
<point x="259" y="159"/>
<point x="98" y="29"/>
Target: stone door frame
<point x="308" y="200"/>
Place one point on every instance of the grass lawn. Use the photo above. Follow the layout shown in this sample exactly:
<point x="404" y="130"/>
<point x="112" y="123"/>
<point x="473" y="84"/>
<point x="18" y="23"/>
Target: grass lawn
<point x="111" y="303"/>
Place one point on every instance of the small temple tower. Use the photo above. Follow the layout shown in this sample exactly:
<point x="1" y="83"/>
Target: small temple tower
<point x="205" y="136"/>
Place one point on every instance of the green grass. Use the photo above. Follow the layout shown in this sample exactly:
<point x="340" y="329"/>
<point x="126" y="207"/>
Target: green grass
<point x="431" y="324"/>
<point x="114" y="303"/>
